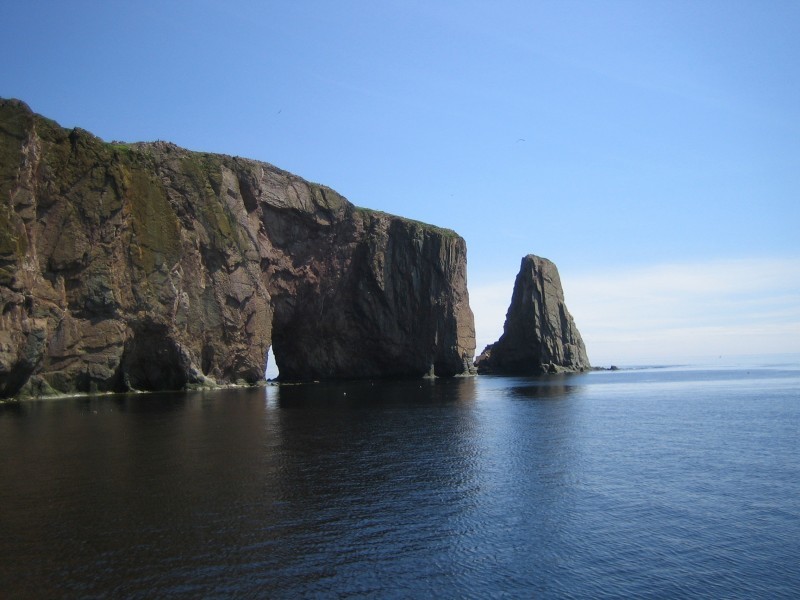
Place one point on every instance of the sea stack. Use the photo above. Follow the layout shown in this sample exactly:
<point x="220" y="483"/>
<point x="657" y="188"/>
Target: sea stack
<point x="539" y="335"/>
<point x="146" y="266"/>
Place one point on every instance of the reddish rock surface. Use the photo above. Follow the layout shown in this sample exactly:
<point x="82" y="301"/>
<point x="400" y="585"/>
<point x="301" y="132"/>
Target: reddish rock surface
<point x="146" y="266"/>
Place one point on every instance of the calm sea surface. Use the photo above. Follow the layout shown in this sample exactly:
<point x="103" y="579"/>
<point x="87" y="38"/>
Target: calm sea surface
<point x="648" y="483"/>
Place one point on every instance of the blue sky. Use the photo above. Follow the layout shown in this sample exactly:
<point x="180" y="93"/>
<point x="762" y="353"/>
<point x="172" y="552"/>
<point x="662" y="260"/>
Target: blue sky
<point x="650" y="149"/>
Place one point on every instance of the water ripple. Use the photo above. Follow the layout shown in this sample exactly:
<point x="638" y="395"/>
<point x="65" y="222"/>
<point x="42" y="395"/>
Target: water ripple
<point x="654" y="484"/>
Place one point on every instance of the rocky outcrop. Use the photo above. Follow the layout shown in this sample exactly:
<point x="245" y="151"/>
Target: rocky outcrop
<point x="146" y="266"/>
<point x="539" y="335"/>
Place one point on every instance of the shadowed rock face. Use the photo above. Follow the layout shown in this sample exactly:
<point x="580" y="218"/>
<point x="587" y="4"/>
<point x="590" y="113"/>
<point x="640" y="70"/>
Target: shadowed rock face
<point x="539" y="335"/>
<point x="146" y="266"/>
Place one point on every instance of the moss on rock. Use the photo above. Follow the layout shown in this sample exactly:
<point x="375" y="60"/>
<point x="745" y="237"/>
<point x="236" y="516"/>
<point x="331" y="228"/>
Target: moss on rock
<point x="155" y="225"/>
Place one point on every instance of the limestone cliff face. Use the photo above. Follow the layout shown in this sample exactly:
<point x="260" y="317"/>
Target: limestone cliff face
<point x="539" y="334"/>
<point x="146" y="266"/>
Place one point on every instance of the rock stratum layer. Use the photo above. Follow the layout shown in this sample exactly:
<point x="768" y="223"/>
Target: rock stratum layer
<point x="146" y="266"/>
<point x="539" y="335"/>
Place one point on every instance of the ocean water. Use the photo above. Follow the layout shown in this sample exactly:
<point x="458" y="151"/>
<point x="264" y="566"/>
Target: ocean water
<point x="679" y="482"/>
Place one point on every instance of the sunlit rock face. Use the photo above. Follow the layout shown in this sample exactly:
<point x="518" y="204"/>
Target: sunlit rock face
<point x="539" y="335"/>
<point x="147" y="266"/>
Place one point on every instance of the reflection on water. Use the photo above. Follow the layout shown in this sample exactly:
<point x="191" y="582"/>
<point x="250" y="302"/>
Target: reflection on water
<point x="630" y="484"/>
<point x="372" y="394"/>
<point x="542" y="392"/>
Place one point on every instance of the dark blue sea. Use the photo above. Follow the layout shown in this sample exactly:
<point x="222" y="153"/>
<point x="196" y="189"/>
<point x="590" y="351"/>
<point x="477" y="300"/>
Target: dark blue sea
<point x="672" y="482"/>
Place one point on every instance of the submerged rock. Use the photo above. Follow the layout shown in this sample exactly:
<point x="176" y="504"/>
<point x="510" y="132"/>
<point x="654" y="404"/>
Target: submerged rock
<point x="539" y="335"/>
<point x="147" y="266"/>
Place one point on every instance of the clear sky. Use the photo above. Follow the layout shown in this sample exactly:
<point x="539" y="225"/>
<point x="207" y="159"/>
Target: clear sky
<point x="650" y="149"/>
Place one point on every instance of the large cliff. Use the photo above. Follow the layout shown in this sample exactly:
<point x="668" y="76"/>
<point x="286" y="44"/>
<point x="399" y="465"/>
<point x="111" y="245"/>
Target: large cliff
<point x="147" y="266"/>
<point x="539" y="334"/>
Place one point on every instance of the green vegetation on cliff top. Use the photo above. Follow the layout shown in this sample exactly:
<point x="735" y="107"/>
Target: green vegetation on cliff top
<point x="421" y="225"/>
<point x="156" y="222"/>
